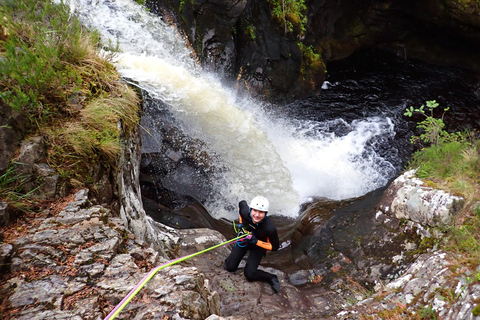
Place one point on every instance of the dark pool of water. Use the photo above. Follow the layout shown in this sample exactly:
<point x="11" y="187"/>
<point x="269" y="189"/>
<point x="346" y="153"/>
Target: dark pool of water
<point x="367" y="84"/>
<point x="378" y="83"/>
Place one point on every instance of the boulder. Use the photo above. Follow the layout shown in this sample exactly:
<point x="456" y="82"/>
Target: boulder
<point x="408" y="198"/>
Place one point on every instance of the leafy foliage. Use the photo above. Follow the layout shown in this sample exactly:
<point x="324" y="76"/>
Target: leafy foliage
<point x="452" y="158"/>
<point x="290" y="13"/>
<point x="432" y="127"/>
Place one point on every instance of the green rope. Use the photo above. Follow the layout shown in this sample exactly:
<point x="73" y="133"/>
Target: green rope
<point x="150" y="275"/>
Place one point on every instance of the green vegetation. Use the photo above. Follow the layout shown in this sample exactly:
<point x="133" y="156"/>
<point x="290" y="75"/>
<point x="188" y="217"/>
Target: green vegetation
<point x="476" y="311"/>
<point x="10" y="188"/>
<point x="465" y="240"/>
<point x="451" y="162"/>
<point x="250" y="31"/>
<point x="427" y="313"/>
<point x="432" y="127"/>
<point x="51" y="71"/>
<point x="181" y="5"/>
<point x="290" y="13"/>
<point x="467" y="5"/>
<point x="312" y="62"/>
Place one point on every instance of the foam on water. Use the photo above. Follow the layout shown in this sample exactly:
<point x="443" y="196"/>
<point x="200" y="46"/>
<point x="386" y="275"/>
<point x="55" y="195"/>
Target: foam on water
<point x="286" y="161"/>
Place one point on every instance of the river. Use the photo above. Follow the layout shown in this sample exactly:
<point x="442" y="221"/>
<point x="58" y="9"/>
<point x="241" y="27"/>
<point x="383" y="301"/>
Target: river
<point x="203" y="143"/>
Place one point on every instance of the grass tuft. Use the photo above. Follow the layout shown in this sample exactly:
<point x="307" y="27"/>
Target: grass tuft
<point x="52" y="70"/>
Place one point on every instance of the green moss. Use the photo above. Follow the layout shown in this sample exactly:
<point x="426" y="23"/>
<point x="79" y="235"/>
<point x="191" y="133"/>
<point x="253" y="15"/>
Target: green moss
<point x="430" y="184"/>
<point x="358" y="30"/>
<point x="312" y="61"/>
<point x="290" y="14"/>
<point x="250" y="31"/>
<point x="476" y="311"/>
<point x="427" y="243"/>
<point x="181" y="6"/>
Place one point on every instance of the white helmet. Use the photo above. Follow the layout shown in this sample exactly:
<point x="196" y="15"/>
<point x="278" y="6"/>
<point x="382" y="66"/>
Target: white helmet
<point x="259" y="203"/>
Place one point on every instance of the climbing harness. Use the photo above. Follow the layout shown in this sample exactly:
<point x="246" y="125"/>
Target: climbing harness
<point x="242" y="234"/>
<point x="243" y="242"/>
<point x="150" y="275"/>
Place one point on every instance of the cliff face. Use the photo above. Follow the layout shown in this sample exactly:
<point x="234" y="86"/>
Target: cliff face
<point x="78" y="261"/>
<point x="242" y="40"/>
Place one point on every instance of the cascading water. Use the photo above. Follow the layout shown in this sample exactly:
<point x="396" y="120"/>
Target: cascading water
<point x="286" y="160"/>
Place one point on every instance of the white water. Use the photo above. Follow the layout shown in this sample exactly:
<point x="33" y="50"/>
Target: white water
<point x="286" y="162"/>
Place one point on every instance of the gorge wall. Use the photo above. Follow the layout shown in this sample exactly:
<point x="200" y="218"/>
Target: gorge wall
<point x="245" y="43"/>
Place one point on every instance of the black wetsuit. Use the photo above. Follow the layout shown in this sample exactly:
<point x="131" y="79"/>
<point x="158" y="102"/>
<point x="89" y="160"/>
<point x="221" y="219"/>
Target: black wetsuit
<point x="266" y="233"/>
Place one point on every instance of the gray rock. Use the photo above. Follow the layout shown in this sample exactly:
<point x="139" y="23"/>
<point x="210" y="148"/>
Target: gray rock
<point x="4" y="214"/>
<point x="32" y="151"/>
<point x="6" y="250"/>
<point x="81" y="198"/>
<point x="427" y="206"/>
<point x="83" y="257"/>
<point x="94" y="269"/>
<point x="49" y="236"/>
<point x="47" y="290"/>
<point x="12" y="128"/>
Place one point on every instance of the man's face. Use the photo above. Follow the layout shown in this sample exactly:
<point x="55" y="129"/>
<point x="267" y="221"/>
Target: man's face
<point x="257" y="215"/>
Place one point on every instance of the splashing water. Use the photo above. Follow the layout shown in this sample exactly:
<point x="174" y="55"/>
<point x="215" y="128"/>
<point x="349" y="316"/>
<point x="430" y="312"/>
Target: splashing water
<point x="287" y="161"/>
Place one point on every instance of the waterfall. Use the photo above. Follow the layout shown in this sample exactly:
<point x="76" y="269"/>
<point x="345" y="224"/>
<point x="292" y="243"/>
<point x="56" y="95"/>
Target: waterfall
<point x="284" y="160"/>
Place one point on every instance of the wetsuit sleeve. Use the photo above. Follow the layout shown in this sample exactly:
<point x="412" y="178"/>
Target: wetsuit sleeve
<point x="272" y="242"/>
<point x="243" y="211"/>
<point x="265" y="245"/>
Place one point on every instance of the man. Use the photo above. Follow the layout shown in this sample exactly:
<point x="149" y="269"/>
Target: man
<point x="264" y="237"/>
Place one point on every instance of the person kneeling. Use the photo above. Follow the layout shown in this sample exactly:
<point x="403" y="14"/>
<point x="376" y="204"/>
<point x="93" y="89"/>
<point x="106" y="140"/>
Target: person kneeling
<point x="264" y="238"/>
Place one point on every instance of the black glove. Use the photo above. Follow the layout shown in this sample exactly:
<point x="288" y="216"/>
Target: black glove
<point x="253" y="239"/>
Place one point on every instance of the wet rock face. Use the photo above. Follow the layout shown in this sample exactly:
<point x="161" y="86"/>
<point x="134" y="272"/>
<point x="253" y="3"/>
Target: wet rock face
<point x="80" y="263"/>
<point x="241" y="41"/>
<point x="208" y="26"/>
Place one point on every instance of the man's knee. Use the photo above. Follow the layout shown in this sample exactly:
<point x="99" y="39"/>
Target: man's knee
<point x="249" y="273"/>
<point x="230" y="267"/>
